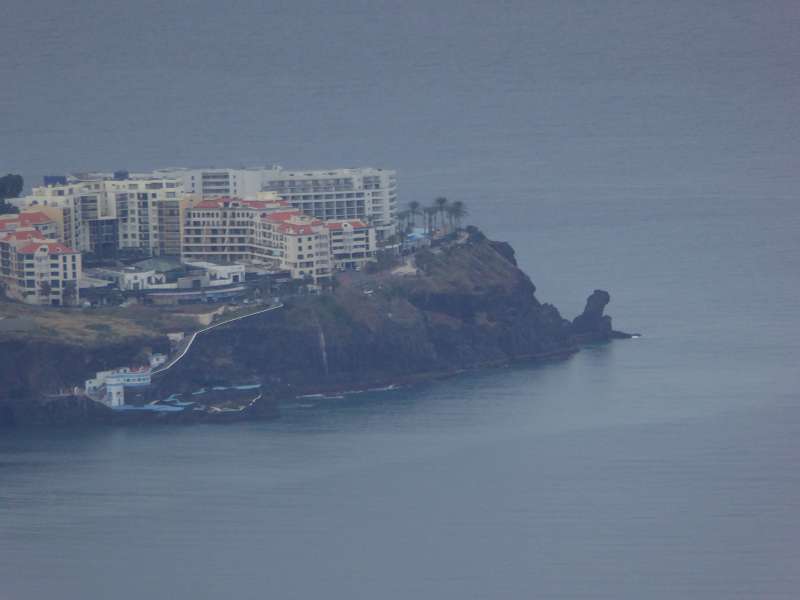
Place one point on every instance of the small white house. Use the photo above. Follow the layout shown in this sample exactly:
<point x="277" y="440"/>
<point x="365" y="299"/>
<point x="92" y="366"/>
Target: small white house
<point x="139" y="280"/>
<point x="219" y="275"/>
<point x="131" y="278"/>
<point x="109" y="386"/>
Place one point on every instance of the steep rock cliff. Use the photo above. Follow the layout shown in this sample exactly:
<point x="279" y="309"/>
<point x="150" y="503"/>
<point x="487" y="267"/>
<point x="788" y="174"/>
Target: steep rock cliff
<point x="468" y="306"/>
<point x="462" y="305"/>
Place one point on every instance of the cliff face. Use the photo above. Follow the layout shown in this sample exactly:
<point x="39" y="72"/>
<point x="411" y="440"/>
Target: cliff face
<point x="460" y="306"/>
<point x="468" y="306"/>
<point x="34" y="369"/>
<point x="36" y="366"/>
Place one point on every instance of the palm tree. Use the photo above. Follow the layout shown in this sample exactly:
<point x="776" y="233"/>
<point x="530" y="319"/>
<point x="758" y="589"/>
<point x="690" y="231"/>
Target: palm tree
<point x="441" y="205"/>
<point x="413" y="210"/>
<point x="458" y="211"/>
<point x="450" y="210"/>
<point x="403" y="218"/>
<point x="430" y="217"/>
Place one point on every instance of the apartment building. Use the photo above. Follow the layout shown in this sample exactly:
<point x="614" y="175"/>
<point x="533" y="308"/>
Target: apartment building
<point x="30" y="219"/>
<point x="366" y="194"/>
<point x="60" y="202"/>
<point x="352" y="243"/>
<point x="147" y="212"/>
<point x="298" y="243"/>
<point x="224" y="229"/>
<point x="263" y="230"/>
<point x="38" y="270"/>
<point x="102" y="236"/>
<point x="216" y="182"/>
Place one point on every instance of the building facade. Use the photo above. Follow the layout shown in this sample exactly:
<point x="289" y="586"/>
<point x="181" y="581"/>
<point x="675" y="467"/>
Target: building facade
<point x="366" y="194"/>
<point x="269" y="231"/>
<point x="216" y="182"/>
<point x="352" y="243"/>
<point x="147" y="211"/>
<point x="37" y="270"/>
<point x="264" y="230"/>
<point x="30" y="219"/>
<point x="224" y="229"/>
<point x="298" y="243"/>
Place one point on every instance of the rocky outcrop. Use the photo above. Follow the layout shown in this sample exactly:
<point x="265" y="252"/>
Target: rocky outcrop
<point x="469" y="306"/>
<point x="39" y="366"/>
<point x="58" y="411"/>
<point x="592" y="324"/>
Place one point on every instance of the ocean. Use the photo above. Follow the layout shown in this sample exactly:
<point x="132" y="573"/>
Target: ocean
<point x="647" y="148"/>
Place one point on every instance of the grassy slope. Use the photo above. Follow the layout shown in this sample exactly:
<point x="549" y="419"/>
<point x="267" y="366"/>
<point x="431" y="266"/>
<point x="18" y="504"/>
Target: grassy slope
<point x="88" y="327"/>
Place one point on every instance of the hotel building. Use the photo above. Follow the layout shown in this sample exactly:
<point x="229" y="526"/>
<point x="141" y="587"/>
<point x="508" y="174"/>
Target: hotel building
<point x="145" y="212"/>
<point x="38" y="270"/>
<point x="268" y="230"/>
<point x="367" y="194"/>
<point x="265" y="230"/>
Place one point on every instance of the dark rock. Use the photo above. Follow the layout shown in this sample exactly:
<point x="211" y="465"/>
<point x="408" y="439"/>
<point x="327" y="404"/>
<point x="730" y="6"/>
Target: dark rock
<point x="470" y="306"/>
<point x="61" y="411"/>
<point x="592" y="324"/>
<point x="592" y="321"/>
<point x="505" y="250"/>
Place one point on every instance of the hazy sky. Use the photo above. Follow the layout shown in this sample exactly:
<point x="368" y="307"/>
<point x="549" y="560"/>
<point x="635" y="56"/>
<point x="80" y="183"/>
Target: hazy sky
<point x="627" y="93"/>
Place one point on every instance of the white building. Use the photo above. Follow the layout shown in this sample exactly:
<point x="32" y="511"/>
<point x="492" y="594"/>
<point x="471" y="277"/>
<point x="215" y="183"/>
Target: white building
<point x="366" y="193"/>
<point x="38" y="270"/>
<point x="130" y="278"/>
<point x="299" y="243"/>
<point x="219" y="275"/>
<point x="352" y="243"/>
<point x="216" y="182"/>
<point x="223" y="229"/>
<point x="272" y="232"/>
<point x="147" y="210"/>
<point x="109" y="386"/>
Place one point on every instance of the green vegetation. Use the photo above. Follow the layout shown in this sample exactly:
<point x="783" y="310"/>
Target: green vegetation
<point x="10" y="187"/>
<point x="91" y="326"/>
<point x="442" y="215"/>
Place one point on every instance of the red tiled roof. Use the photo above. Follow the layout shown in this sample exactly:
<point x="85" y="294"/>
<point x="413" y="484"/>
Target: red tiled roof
<point x="22" y="234"/>
<point x="355" y="224"/>
<point x="283" y="215"/>
<point x="292" y="229"/>
<point x="33" y="218"/>
<point x="52" y="248"/>
<point x="265" y="203"/>
<point x="206" y="204"/>
<point x="25" y="219"/>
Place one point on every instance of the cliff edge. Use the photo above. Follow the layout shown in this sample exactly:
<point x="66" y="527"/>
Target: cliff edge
<point x="463" y="304"/>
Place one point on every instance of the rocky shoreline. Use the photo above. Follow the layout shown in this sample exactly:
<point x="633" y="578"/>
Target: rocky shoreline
<point x="460" y="307"/>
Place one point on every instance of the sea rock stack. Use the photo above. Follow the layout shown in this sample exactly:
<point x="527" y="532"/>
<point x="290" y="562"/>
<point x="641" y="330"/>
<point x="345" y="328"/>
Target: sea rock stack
<point x="592" y="324"/>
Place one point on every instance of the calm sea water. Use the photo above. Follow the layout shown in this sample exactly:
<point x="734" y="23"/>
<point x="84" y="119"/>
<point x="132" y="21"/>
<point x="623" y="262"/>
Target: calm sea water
<point x="649" y="148"/>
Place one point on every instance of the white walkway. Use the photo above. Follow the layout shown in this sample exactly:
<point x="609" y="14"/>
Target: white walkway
<point x="174" y="361"/>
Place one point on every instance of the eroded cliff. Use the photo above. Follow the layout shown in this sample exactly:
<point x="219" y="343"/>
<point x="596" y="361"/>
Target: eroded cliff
<point x="460" y="306"/>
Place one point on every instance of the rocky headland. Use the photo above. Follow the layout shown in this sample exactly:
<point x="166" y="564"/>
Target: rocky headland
<point x="461" y="305"/>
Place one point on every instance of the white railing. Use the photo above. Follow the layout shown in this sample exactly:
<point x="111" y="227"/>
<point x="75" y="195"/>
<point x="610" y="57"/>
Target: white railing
<point x="175" y="360"/>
